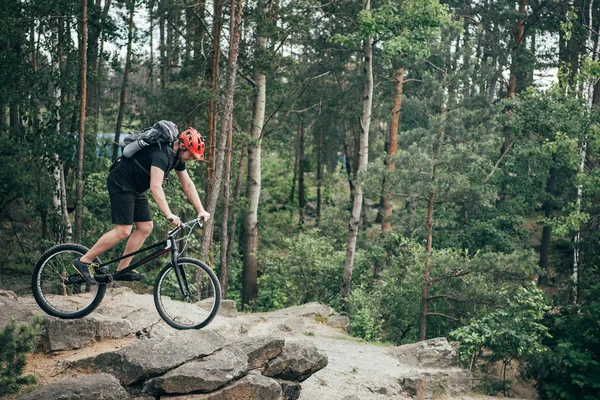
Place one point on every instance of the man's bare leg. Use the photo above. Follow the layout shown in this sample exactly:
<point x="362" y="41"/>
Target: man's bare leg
<point x="135" y="242"/>
<point x="107" y="242"/>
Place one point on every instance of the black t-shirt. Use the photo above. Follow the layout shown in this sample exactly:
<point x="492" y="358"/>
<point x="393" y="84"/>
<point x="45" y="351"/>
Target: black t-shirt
<point x="127" y="175"/>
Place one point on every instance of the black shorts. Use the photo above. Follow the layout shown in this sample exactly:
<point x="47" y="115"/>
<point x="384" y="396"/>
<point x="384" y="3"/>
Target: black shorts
<point x="128" y="207"/>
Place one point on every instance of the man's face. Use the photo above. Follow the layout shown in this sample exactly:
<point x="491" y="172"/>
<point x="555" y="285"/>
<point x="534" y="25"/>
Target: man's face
<point x="185" y="155"/>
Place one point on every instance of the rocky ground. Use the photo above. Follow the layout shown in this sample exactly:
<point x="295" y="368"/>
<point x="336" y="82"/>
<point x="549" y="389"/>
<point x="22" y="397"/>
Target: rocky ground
<point x="338" y="367"/>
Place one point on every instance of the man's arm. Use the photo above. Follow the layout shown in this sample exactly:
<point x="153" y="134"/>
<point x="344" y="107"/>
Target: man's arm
<point x="191" y="193"/>
<point x="158" y="194"/>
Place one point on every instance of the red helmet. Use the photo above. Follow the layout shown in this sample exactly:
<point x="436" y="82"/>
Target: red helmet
<point x="193" y="141"/>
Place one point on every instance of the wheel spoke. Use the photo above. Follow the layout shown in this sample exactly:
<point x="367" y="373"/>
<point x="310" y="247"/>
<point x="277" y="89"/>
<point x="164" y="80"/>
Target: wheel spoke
<point x="199" y="304"/>
<point x="56" y="293"/>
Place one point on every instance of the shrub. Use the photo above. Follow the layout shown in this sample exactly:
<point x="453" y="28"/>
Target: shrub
<point x="512" y="331"/>
<point x="570" y="368"/>
<point x="16" y="340"/>
<point x="307" y="268"/>
<point x="365" y="314"/>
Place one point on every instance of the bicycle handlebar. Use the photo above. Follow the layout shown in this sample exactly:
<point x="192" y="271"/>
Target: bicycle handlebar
<point x="185" y="225"/>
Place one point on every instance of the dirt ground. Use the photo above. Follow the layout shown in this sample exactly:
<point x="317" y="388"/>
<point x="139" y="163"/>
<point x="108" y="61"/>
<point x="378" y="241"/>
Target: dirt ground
<point x="48" y="367"/>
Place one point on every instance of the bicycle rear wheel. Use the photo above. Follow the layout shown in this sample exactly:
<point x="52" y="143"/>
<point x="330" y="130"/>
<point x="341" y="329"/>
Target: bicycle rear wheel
<point x="58" y="288"/>
<point x="193" y="304"/>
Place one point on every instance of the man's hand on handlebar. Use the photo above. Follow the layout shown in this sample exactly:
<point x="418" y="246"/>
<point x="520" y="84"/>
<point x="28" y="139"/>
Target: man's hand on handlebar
<point x="174" y="220"/>
<point x="203" y="215"/>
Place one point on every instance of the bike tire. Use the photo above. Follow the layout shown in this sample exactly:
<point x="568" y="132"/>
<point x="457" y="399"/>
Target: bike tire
<point x="195" y="313"/>
<point x="48" y="301"/>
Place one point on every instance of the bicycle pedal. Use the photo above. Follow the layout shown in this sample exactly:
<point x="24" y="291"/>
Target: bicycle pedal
<point x="103" y="278"/>
<point x="74" y="280"/>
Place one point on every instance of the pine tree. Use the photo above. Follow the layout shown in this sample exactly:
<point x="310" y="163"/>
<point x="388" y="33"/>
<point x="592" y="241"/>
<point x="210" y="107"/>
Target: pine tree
<point x="16" y="340"/>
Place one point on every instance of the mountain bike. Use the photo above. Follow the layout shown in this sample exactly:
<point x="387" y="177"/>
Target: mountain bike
<point x="187" y="293"/>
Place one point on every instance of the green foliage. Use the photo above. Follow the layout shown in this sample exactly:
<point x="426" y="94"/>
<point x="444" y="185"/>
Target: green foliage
<point x="389" y="310"/>
<point x="305" y="268"/>
<point x="16" y="340"/>
<point x="570" y="368"/>
<point x="365" y="310"/>
<point x="404" y="28"/>
<point x="513" y="330"/>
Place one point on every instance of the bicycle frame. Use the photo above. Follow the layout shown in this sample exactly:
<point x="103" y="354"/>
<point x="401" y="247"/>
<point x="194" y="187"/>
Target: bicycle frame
<point x="169" y="245"/>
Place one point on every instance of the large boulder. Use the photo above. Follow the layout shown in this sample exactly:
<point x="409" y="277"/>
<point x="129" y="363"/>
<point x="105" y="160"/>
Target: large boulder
<point x="227" y="309"/>
<point x="205" y="375"/>
<point x="121" y="302"/>
<point x="250" y="387"/>
<point x="434" y="353"/>
<point x="155" y="356"/>
<point x="440" y="383"/>
<point x="12" y="308"/>
<point x="297" y="362"/>
<point x="66" y="334"/>
<point x="260" y="349"/>
<point x="81" y="387"/>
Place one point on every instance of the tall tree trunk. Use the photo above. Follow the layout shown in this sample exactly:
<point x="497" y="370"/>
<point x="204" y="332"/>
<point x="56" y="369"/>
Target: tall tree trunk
<point x="250" y="273"/>
<point x="224" y="272"/>
<point x="174" y="32"/>
<point x="348" y="166"/>
<point x="236" y="196"/>
<point x="301" y="162"/>
<point x="582" y="154"/>
<point x="319" y="174"/>
<point x="295" y="175"/>
<point x="227" y="115"/>
<point x="392" y="149"/>
<point x="94" y="29"/>
<point x="123" y="101"/>
<point x="519" y="35"/>
<point x="547" y="230"/>
<point x="234" y="25"/>
<point x="80" y="149"/>
<point x="199" y="32"/>
<point x="98" y="69"/>
<point x="512" y="88"/>
<point x="151" y="33"/>
<point x="67" y="227"/>
<point x="363" y="154"/>
<point x="214" y="101"/>
<point x="189" y="33"/>
<point x="437" y="145"/>
<point x="169" y="40"/>
<point x="58" y="173"/>
<point x="162" y="48"/>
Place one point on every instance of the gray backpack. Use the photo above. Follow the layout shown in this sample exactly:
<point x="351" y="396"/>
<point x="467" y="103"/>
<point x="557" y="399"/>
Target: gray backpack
<point x="161" y="133"/>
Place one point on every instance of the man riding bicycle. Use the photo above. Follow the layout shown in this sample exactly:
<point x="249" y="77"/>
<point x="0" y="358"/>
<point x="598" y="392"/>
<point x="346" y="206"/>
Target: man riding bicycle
<point x="127" y="184"/>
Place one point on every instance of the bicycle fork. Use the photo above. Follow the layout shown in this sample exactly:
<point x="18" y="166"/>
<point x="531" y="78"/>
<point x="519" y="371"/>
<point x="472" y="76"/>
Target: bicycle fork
<point x="179" y="272"/>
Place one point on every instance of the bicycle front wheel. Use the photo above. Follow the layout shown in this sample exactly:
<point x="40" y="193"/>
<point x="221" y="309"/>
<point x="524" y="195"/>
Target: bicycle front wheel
<point x="189" y="297"/>
<point x="58" y="288"/>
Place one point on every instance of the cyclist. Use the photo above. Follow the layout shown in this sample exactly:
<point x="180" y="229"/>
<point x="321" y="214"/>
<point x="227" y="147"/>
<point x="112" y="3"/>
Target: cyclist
<point x="127" y="184"/>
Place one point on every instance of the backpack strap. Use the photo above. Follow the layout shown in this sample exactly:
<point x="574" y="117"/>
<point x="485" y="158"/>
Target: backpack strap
<point x="140" y="165"/>
<point x="169" y="167"/>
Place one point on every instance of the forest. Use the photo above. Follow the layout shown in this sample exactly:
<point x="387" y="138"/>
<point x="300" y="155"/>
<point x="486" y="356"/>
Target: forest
<point x="428" y="167"/>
